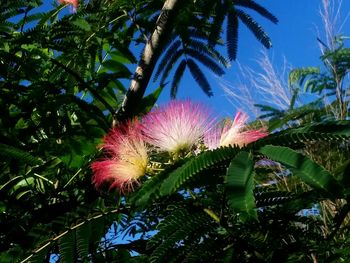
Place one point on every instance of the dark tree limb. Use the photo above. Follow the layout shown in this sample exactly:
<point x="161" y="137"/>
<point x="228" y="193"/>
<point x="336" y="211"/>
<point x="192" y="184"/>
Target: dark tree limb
<point x="146" y="65"/>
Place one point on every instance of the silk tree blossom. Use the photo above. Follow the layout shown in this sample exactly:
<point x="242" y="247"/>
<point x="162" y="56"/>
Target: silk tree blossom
<point x="74" y="3"/>
<point x="233" y="133"/>
<point x="127" y="160"/>
<point x="177" y="126"/>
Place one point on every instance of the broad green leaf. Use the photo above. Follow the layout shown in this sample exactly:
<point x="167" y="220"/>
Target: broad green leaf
<point x="240" y="185"/>
<point x="148" y="102"/>
<point x="120" y="57"/>
<point x="342" y="173"/>
<point x="115" y="66"/>
<point x="302" y="166"/>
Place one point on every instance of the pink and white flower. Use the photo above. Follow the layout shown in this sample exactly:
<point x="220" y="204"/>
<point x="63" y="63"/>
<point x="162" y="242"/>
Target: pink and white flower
<point x="127" y="160"/>
<point x="177" y="126"/>
<point x="74" y="3"/>
<point x="233" y="133"/>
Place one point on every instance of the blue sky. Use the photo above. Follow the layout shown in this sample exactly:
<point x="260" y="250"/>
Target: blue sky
<point x="294" y="38"/>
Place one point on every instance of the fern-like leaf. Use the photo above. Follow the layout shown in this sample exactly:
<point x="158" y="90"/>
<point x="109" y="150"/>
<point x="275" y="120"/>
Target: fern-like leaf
<point x="205" y="60"/>
<point x="209" y="51"/>
<point x="67" y="247"/>
<point x="8" y="151"/>
<point x="341" y="128"/>
<point x="303" y="167"/>
<point x="215" y="29"/>
<point x="150" y="188"/>
<point x="240" y="185"/>
<point x="176" y="228"/>
<point x="232" y="35"/>
<point x="296" y="139"/>
<point x="258" y="8"/>
<point x="177" y="77"/>
<point x="199" y="77"/>
<point x="255" y="28"/>
<point x="171" y="51"/>
<point x="297" y="76"/>
<point x="170" y="64"/>
<point x="82" y="240"/>
<point x="271" y="197"/>
<point x="196" y="166"/>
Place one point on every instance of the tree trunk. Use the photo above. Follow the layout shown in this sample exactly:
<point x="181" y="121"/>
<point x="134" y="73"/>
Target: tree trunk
<point x="146" y="65"/>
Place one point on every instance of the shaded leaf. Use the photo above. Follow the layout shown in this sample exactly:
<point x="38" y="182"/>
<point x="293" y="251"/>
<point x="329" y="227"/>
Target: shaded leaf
<point x="199" y="77"/>
<point x="240" y="185"/>
<point x="310" y="172"/>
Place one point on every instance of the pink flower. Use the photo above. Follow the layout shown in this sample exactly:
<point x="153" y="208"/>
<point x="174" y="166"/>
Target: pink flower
<point x="233" y="133"/>
<point x="128" y="158"/>
<point x="177" y="126"/>
<point x="74" y="3"/>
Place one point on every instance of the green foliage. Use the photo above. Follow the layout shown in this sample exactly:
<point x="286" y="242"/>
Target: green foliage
<point x="240" y="185"/>
<point x="62" y="77"/>
<point x="61" y="80"/>
<point x="176" y="227"/>
<point x="195" y="167"/>
<point x="273" y="193"/>
<point x="310" y="172"/>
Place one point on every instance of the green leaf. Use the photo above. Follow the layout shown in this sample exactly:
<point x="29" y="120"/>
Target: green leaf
<point x="240" y="185"/>
<point x="82" y="23"/>
<point x="297" y="76"/>
<point x="76" y="151"/>
<point x="341" y="127"/>
<point x="150" y="188"/>
<point x="67" y="247"/>
<point x="177" y="77"/>
<point x="255" y="28"/>
<point x="258" y="8"/>
<point x="199" y="77"/>
<point x="206" y="61"/>
<point x="83" y="236"/>
<point x="303" y="167"/>
<point x="115" y="66"/>
<point x="232" y="35"/>
<point x="8" y="151"/>
<point x="171" y="51"/>
<point x="120" y="57"/>
<point x="342" y="173"/>
<point x="195" y="166"/>
<point x="148" y="102"/>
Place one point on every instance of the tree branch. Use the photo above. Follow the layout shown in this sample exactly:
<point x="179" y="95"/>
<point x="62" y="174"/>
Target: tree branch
<point x="146" y="65"/>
